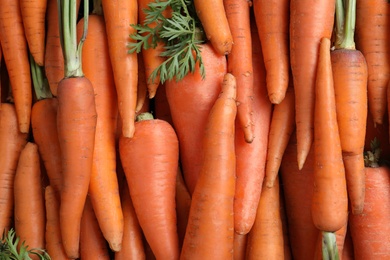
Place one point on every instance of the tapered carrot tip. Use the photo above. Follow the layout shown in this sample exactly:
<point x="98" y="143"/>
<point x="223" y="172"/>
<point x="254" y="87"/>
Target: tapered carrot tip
<point x="128" y="129"/>
<point x="116" y="247"/>
<point x="229" y="86"/>
<point x="301" y="158"/>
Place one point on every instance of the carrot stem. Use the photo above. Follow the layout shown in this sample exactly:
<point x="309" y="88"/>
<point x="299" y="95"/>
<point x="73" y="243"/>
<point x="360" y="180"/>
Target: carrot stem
<point x="345" y="22"/>
<point x="329" y="246"/>
<point x="40" y="83"/>
<point x="144" y="116"/>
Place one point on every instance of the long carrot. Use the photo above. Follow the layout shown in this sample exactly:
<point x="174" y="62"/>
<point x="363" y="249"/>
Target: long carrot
<point x="103" y="188"/>
<point x="150" y="161"/>
<point x="272" y="19"/>
<point x="76" y="122"/>
<point x="30" y="217"/>
<point x="118" y="16"/>
<point x="330" y="199"/>
<point x="12" y="142"/>
<point x="14" y="45"/>
<point x="372" y="39"/>
<point x="310" y="20"/>
<point x="210" y="229"/>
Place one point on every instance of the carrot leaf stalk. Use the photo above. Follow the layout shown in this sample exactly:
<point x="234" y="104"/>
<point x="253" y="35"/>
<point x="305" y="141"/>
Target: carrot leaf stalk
<point x="40" y="82"/>
<point x="345" y="24"/>
<point x="329" y="246"/>
<point x="181" y="33"/>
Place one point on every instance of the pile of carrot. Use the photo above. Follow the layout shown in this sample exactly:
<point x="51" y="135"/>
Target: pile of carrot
<point x="265" y="156"/>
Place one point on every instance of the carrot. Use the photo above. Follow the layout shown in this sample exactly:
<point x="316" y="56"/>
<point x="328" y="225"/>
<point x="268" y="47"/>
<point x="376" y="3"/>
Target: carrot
<point x="103" y="188"/>
<point x="30" y="217"/>
<point x="76" y="103"/>
<point x="92" y="243"/>
<point x="132" y="243"/>
<point x="12" y="141"/>
<point x="118" y="16"/>
<point x="54" y="246"/>
<point x="372" y="38"/>
<point x="150" y="160"/>
<point x="240" y="62"/>
<point x="14" y="45"/>
<point x="239" y="246"/>
<point x="190" y="101"/>
<point x="33" y="17"/>
<point x="330" y="199"/>
<point x="215" y="24"/>
<point x="251" y="157"/>
<point x="309" y="22"/>
<point x="272" y="19"/>
<point x="350" y="83"/>
<point x="210" y="229"/>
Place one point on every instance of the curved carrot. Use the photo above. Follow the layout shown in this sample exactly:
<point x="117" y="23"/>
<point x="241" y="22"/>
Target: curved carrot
<point x="330" y="199"/>
<point x="272" y="19"/>
<point x="14" y="45"/>
<point x="214" y="192"/>
<point x="150" y="160"/>
<point x="118" y="16"/>
<point x="12" y="141"/>
<point x="310" y="20"/>
<point x="29" y="208"/>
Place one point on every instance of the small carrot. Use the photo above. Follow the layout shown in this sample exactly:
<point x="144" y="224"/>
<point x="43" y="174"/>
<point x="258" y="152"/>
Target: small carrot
<point x="214" y="191"/>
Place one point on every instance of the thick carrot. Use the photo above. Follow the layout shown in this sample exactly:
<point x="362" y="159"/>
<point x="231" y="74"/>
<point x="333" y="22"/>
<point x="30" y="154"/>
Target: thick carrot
<point x="190" y="101"/>
<point x="118" y="16"/>
<point x="372" y="39"/>
<point x="210" y="228"/>
<point x="272" y="19"/>
<point x="240" y="62"/>
<point x="330" y="199"/>
<point x="30" y="217"/>
<point x="150" y="160"/>
<point x="14" y="45"/>
<point x="215" y="24"/>
<point x="310" y="20"/>
<point x="349" y="69"/>
<point x="103" y="188"/>
<point x="12" y="141"/>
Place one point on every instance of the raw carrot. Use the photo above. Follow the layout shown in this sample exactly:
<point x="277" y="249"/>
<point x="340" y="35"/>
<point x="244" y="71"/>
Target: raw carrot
<point x="372" y="39"/>
<point x="150" y="160"/>
<point x="12" y="141"/>
<point x="33" y="17"/>
<point x="119" y="15"/>
<point x="190" y="101"/>
<point x="103" y="188"/>
<point x="310" y="21"/>
<point x="239" y="246"/>
<point x="14" y="45"/>
<point x="29" y="209"/>
<point x="272" y="19"/>
<point x="210" y="229"/>
<point x="330" y="199"/>
<point x="240" y="62"/>
<point x="215" y="24"/>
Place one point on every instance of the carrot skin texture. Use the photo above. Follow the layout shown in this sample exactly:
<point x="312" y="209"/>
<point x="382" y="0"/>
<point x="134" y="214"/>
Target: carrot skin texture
<point x="12" y="141"/>
<point x="350" y="82"/>
<point x="15" y="52"/>
<point x="30" y="217"/>
<point x="76" y="122"/>
<point x="190" y="101"/>
<point x="103" y="188"/>
<point x="272" y="19"/>
<point x="212" y="200"/>
<point x="309" y="22"/>
<point x="330" y="199"/>
<point x="372" y="39"/>
<point x="118" y="17"/>
<point x="153" y="200"/>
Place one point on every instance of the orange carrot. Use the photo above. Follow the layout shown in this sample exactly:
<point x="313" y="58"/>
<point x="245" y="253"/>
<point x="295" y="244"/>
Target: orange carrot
<point x="118" y="16"/>
<point x="239" y="246"/>
<point x="272" y="19"/>
<point x="330" y="199"/>
<point x="14" y="45"/>
<point x="12" y="141"/>
<point x="310" y="20"/>
<point x="214" y="191"/>
<point x="150" y="160"/>
<point x="30" y="217"/>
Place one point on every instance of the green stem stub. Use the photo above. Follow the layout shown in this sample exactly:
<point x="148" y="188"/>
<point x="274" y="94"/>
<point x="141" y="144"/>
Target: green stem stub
<point x="345" y="24"/>
<point x="40" y="82"/>
<point x="144" y="116"/>
<point x="329" y="246"/>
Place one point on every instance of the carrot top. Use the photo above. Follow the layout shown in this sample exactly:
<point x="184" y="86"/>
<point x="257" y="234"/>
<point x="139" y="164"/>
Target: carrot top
<point x="40" y="82"/>
<point x="329" y="246"/>
<point x="345" y="20"/>
<point x="181" y="34"/>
